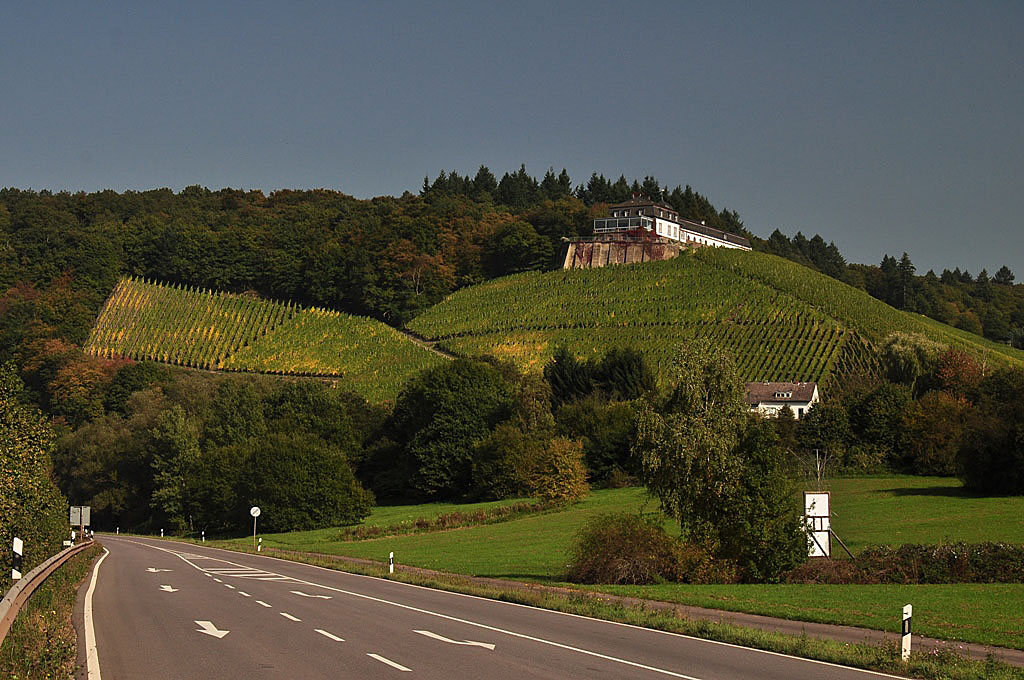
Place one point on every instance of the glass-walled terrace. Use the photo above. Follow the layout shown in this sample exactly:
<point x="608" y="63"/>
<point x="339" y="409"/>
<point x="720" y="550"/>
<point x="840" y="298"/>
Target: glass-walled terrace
<point x="608" y="224"/>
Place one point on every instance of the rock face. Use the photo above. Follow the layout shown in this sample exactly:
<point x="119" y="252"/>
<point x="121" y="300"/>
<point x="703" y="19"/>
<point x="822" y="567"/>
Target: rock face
<point x="600" y="251"/>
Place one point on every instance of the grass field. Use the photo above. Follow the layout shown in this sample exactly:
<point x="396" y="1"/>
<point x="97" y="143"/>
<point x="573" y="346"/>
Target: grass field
<point x="891" y="510"/>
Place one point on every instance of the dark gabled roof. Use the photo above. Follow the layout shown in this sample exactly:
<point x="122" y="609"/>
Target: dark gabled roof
<point x="758" y="392"/>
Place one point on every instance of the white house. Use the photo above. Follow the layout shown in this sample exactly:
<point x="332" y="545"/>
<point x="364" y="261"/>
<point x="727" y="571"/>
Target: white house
<point x="657" y="218"/>
<point x="768" y="398"/>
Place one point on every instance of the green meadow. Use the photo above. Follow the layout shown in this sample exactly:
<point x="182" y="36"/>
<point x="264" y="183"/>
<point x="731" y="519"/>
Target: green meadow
<point x="866" y="510"/>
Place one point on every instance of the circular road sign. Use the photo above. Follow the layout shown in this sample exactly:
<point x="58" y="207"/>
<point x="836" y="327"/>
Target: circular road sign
<point x="255" y="511"/>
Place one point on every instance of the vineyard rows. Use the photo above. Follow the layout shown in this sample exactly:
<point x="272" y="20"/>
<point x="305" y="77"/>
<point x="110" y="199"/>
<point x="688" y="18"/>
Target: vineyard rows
<point x="779" y="320"/>
<point x="224" y="331"/>
<point x="873" y="319"/>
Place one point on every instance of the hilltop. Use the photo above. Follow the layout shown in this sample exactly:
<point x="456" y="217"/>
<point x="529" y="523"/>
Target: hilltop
<point x="781" y="320"/>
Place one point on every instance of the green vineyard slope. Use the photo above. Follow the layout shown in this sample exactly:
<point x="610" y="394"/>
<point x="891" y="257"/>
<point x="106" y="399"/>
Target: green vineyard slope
<point x="224" y="331"/>
<point x="780" y="321"/>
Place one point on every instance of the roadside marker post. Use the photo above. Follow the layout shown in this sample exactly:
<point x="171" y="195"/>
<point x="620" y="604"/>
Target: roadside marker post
<point x="908" y="613"/>
<point x="204" y="535"/>
<point x="259" y="545"/>
<point x="19" y="549"/>
<point x="117" y="531"/>
<point x="391" y="563"/>
<point x="161" y="533"/>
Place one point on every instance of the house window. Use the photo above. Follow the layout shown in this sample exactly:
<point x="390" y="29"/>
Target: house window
<point x="799" y="413"/>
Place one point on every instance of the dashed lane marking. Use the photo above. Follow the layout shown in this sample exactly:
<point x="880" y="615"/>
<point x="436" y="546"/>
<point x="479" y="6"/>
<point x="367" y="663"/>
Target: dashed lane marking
<point x="389" y="662"/>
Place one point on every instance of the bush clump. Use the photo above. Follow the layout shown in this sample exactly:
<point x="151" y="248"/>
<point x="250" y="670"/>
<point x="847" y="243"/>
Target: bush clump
<point x="917" y="564"/>
<point x="622" y="548"/>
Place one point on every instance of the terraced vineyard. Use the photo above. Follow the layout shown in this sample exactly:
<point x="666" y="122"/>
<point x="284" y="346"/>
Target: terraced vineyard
<point x="781" y="321"/>
<point x="223" y="331"/>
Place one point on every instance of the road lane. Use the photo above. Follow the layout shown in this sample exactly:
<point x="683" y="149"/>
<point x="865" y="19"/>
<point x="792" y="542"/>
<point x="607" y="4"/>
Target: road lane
<point x="345" y="625"/>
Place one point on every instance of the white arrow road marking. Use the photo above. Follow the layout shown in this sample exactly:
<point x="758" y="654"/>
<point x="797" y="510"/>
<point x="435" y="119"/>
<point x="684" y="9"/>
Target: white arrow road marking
<point x="210" y="629"/>
<point x="168" y="589"/>
<point x="485" y="645"/>
<point x="299" y="592"/>
<point x="152" y="570"/>
<point x="328" y="635"/>
<point x="389" y="662"/>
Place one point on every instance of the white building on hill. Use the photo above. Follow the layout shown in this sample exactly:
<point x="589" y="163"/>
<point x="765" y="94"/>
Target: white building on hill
<point x="657" y="218"/>
<point x="769" y="398"/>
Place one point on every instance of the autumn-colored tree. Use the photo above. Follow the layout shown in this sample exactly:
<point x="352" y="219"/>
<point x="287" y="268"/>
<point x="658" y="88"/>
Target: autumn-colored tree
<point x="958" y="373"/>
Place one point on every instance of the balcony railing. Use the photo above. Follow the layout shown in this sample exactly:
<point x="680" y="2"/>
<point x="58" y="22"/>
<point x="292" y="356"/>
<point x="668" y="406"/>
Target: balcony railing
<point x="622" y="224"/>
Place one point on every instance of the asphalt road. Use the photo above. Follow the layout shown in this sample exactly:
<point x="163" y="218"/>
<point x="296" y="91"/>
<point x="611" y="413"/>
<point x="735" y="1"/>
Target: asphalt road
<point x="165" y="610"/>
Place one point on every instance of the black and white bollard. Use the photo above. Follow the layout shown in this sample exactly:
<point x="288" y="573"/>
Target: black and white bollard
<point x="204" y="535"/>
<point x="908" y="613"/>
<point x="19" y="548"/>
<point x="117" y="531"/>
<point x="391" y="563"/>
<point x="259" y="545"/>
<point x="161" y="533"/>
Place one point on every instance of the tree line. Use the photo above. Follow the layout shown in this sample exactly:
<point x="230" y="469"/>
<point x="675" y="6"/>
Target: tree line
<point x="989" y="305"/>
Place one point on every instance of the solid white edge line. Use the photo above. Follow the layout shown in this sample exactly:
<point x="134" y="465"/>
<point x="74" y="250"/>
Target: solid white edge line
<point x="92" y="659"/>
<point x="389" y="662"/>
<point x="332" y="636"/>
<point x="524" y="606"/>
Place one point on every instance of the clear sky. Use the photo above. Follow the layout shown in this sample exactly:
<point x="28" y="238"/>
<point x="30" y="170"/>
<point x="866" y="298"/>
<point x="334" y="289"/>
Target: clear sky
<point x="886" y="127"/>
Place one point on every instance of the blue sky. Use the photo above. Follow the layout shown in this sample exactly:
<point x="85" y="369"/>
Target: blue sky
<point x="886" y="127"/>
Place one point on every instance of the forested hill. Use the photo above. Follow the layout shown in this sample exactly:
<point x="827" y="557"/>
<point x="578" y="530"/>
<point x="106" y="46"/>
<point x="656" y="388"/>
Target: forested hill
<point x="386" y="258"/>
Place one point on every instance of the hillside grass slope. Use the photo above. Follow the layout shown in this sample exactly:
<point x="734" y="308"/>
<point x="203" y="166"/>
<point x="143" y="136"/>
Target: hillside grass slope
<point x="780" y="320"/>
<point x="225" y="331"/>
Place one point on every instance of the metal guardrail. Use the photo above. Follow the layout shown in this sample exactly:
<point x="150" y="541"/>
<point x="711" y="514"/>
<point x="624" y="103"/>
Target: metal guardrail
<point x="21" y="591"/>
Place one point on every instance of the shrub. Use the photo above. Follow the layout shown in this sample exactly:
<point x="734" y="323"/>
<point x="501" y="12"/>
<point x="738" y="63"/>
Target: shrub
<point x="624" y="548"/>
<point x="632" y="549"/>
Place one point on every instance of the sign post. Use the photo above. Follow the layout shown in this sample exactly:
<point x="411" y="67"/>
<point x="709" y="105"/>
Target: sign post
<point x="255" y="512"/>
<point x="908" y="613"/>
